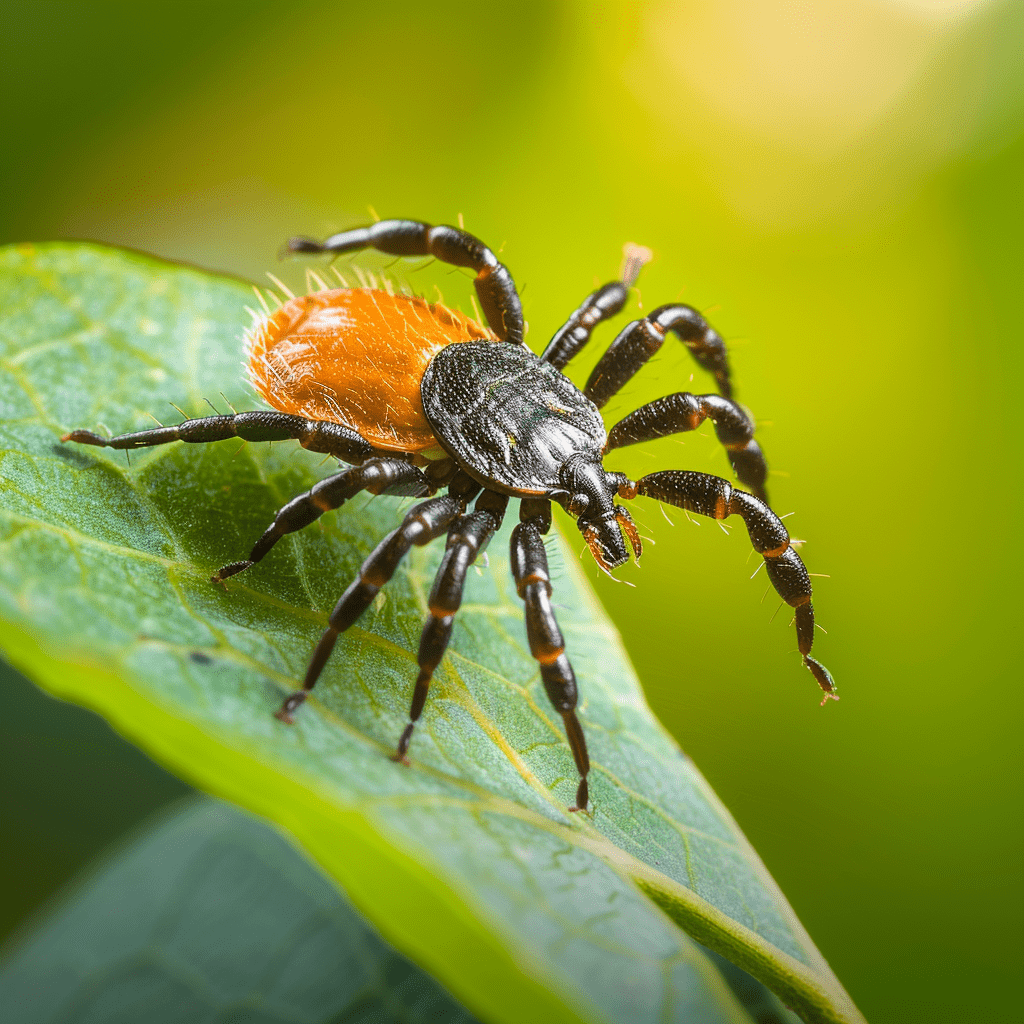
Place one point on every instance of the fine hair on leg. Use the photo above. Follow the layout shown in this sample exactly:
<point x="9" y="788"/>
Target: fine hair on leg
<point x="495" y="288"/>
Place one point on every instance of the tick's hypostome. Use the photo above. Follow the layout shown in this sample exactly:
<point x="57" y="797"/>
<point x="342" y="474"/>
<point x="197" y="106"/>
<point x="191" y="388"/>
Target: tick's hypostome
<point x="417" y="398"/>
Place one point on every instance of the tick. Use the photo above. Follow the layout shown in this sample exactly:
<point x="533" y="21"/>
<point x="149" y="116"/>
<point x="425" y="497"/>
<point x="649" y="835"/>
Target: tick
<point x="416" y="398"/>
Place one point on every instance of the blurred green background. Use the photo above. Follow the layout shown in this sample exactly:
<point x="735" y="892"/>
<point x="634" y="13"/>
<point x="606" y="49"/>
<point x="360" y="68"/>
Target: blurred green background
<point x="838" y="187"/>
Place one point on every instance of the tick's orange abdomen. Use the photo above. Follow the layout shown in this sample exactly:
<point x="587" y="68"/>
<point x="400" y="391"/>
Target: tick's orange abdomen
<point x="357" y="356"/>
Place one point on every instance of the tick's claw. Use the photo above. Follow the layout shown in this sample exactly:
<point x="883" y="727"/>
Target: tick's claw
<point x="229" y="570"/>
<point x="823" y="677"/>
<point x="291" y="704"/>
<point x="85" y="437"/>
<point x="582" y="797"/>
<point x="403" y="745"/>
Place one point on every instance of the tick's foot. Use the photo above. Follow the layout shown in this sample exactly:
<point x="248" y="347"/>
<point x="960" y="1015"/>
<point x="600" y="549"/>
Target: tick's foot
<point x="403" y="746"/>
<point x="285" y="713"/>
<point x="86" y="437"/>
<point x="229" y="570"/>
<point x="823" y="678"/>
<point x="582" y="798"/>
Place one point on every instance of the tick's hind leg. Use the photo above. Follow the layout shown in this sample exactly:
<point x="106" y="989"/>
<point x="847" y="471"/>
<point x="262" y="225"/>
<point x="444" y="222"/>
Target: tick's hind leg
<point x="530" y="569"/>
<point x="714" y="497"/>
<point x="681" y="412"/>
<point x="378" y="476"/>
<point x="421" y="525"/>
<point x="499" y="299"/>
<point x="469" y="535"/>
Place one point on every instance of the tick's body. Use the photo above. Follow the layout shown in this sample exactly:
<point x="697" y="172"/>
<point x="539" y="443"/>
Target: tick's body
<point x="511" y="421"/>
<point x="417" y="398"/>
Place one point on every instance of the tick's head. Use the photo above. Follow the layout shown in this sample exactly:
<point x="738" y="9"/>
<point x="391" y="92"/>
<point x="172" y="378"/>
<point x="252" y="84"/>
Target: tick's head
<point x="590" y="493"/>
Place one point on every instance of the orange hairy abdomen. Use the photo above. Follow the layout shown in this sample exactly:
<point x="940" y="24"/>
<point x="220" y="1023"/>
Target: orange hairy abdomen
<point x="357" y="356"/>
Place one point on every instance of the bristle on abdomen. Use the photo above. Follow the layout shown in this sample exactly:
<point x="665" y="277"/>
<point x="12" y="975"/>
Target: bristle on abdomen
<point x="355" y="356"/>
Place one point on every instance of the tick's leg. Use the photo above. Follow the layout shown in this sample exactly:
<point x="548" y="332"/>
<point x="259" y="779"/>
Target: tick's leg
<point x="530" y="569"/>
<point x="378" y="476"/>
<point x="601" y="305"/>
<point x="712" y="496"/>
<point x="317" y="435"/>
<point x="421" y="525"/>
<point x="680" y="412"/>
<point x="639" y="341"/>
<point x="469" y="536"/>
<point x="494" y="286"/>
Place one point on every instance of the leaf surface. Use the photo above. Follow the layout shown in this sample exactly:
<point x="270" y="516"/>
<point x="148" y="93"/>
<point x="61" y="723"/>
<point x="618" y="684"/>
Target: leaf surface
<point x="469" y="861"/>
<point x="211" y="916"/>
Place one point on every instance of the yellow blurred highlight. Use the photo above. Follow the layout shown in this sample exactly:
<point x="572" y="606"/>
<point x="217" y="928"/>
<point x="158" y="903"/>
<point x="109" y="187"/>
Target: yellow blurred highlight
<point x="831" y="104"/>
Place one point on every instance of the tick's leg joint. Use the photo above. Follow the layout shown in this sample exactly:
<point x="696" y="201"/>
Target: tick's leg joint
<point x="626" y="488"/>
<point x="681" y="412"/>
<point x="468" y="536"/>
<point x="574" y="334"/>
<point x="315" y="435"/>
<point x="716" y="498"/>
<point x="547" y="645"/>
<point x="639" y="340"/>
<point x="606" y="302"/>
<point x="422" y="523"/>
<point x="495" y="288"/>
<point x="378" y="476"/>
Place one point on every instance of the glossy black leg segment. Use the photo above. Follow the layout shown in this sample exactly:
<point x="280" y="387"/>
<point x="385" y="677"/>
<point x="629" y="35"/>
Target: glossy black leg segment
<point x="678" y="413"/>
<point x="601" y="305"/>
<point x="317" y="435"/>
<point x="547" y="645"/>
<point x="467" y="538"/>
<point x="378" y="476"/>
<point x="421" y="525"/>
<point x="499" y="299"/>
<point x="570" y="338"/>
<point x="714" y="497"/>
<point x="642" y="338"/>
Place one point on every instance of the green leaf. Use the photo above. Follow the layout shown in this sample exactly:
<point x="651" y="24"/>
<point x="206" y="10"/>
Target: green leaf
<point x="468" y="862"/>
<point x="212" y="916"/>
